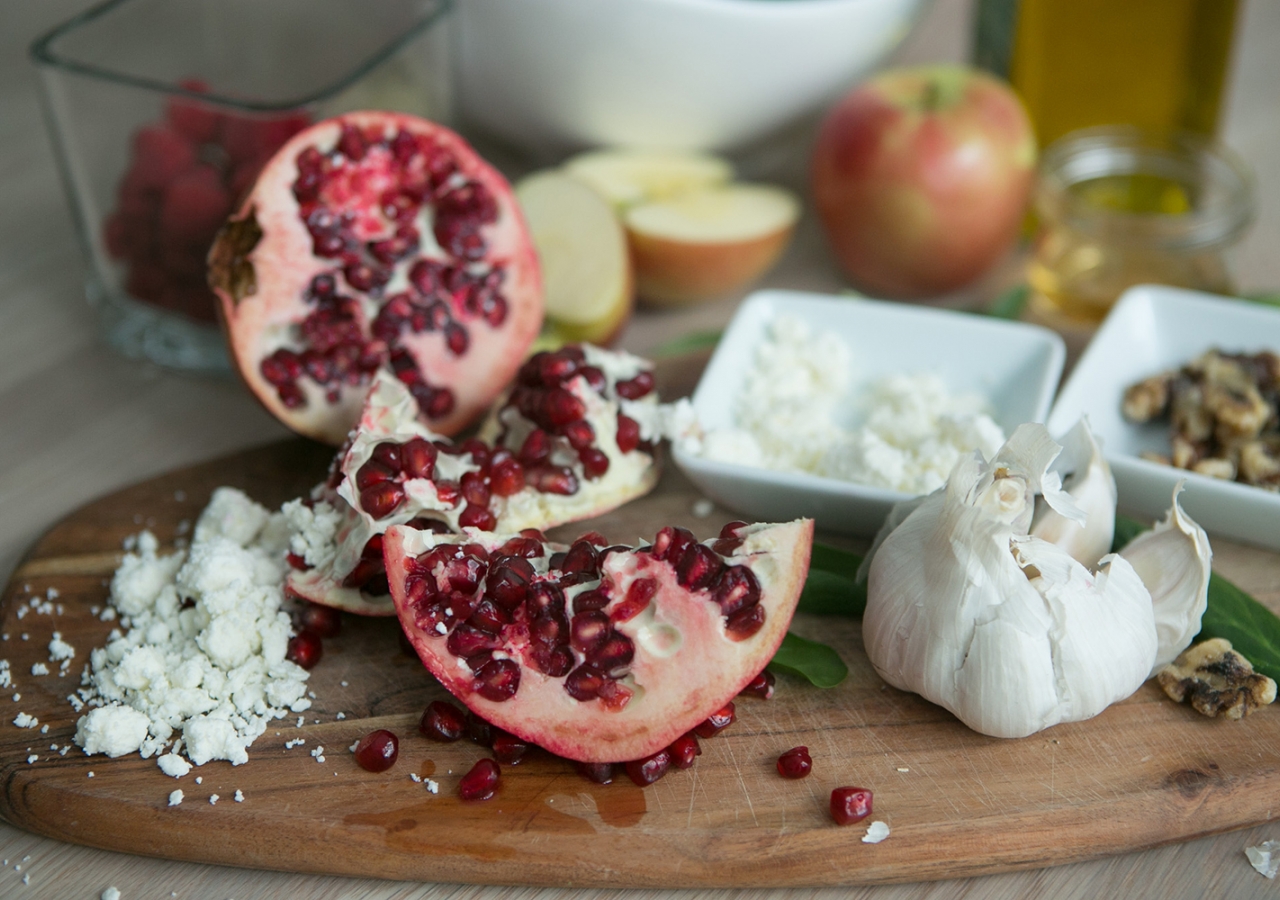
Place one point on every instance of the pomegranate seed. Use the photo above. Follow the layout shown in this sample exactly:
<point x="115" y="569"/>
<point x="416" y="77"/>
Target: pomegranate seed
<point x="635" y="388"/>
<point x="561" y="407"/>
<point x="639" y="595"/>
<point x="555" y="662"/>
<point x="305" y="648"/>
<point x="761" y="686"/>
<point x="371" y="473"/>
<point x="490" y="617"/>
<point x="418" y="457"/>
<point x="795" y="763"/>
<point x="497" y="680"/>
<point x="579" y="434"/>
<point x="296" y="562"/>
<point x="671" y="543"/>
<point x="509" y="749"/>
<point x="554" y="368"/>
<point x="478" y="517"/>
<point x="481" y="782"/>
<point x="600" y="773"/>
<point x="744" y="623"/>
<point x="683" y="750"/>
<point x="324" y="621"/>
<point x="628" y="436"/>
<point x="508" y="583"/>
<point x="645" y="772"/>
<point x="506" y="478"/>
<point x="474" y="489"/>
<point x="382" y="499"/>
<point x="595" y="378"/>
<point x="552" y="480"/>
<point x="449" y="493"/>
<point x="582" y="556"/>
<point x="455" y="336"/>
<point x="850" y="804"/>
<point x="442" y="721"/>
<point x="736" y="589"/>
<point x="467" y="641"/>
<point x="351" y="143"/>
<point x="478" y="730"/>
<point x="536" y="447"/>
<point x="699" y="567"/>
<point x="594" y="462"/>
<point x="377" y="751"/>
<point x="440" y="404"/>
<point x="584" y="683"/>
<point x="588" y="631"/>
<point x="730" y="530"/>
<point x="614" y="654"/>
<point x="716" y="722"/>
<point x="546" y="598"/>
<point x="590" y="600"/>
<point x="387" y="453"/>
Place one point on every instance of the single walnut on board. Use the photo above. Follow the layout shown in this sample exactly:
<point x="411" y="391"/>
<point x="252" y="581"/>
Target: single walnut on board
<point x="1216" y="681"/>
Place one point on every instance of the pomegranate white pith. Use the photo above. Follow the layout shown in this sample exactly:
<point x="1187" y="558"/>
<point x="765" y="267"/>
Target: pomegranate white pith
<point x="642" y="649"/>
<point x="589" y="458"/>
<point x="376" y="242"/>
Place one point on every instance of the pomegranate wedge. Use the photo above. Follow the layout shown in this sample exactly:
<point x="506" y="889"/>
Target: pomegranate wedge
<point x="598" y="654"/>
<point x="376" y="242"/>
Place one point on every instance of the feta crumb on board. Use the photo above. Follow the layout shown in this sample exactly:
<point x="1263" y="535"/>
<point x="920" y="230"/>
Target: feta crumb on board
<point x="213" y="799"/>
<point x="239" y="797"/>
<point x="111" y="893"/>
<point x="791" y="410"/>
<point x="22" y="720"/>
<point x="877" y="831"/>
<point x="210" y="673"/>
<point x="175" y="797"/>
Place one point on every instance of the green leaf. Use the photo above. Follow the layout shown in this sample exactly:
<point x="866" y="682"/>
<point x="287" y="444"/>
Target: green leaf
<point x="834" y="560"/>
<point x="688" y="343"/>
<point x="817" y="662"/>
<point x="1252" y="629"/>
<point x="827" y="594"/>
<point x="1126" y="530"/>
<point x="1011" y="303"/>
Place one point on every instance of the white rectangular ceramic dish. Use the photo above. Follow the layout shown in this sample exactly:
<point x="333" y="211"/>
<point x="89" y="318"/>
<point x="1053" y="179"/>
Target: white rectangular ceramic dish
<point x="1015" y="366"/>
<point x="1152" y="329"/>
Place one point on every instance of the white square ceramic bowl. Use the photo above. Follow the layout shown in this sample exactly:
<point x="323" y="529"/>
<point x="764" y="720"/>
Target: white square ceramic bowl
<point x="1015" y="366"/>
<point x="1151" y="329"/>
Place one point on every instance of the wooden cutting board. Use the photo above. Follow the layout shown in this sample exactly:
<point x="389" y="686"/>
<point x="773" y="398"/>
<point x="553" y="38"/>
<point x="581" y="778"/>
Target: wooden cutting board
<point x="1143" y="773"/>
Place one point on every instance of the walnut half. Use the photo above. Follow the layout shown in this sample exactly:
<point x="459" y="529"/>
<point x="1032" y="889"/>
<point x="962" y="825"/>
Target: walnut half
<point x="1216" y="681"/>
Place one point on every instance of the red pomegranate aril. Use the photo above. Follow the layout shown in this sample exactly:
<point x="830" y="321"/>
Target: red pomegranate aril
<point x="639" y="595"/>
<point x="508" y="583"/>
<point x="474" y="489"/>
<point x="372" y="473"/>
<point x="736" y="589"/>
<point x="388" y="453"/>
<point x="584" y="683"/>
<point x="595" y="462"/>
<point x="498" y="680"/>
<point x="546" y="598"/>
<point x="481" y="782"/>
<point x="761" y="686"/>
<point x="616" y="652"/>
<point x="561" y="407"/>
<point x="506" y="477"/>
<point x="590" y="600"/>
<point x="588" y="631"/>
<point x="717" y="722"/>
<point x="322" y="620"/>
<point x="582" y="556"/>
<point x="699" y="567"/>
<point x="744" y="623"/>
<point x="509" y="749"/>
<point x="478" y="730"/>
<point x="490" y="617"/>
<point x="536" y="447"/>
<point x="595" y="378"/>
<point x="296" y="562"/>
<point x="579" y="434"/>
<point x="628" y="436"/>
<point x="671" y="543"/>
<point x="442" y="721"/>
<point x="467" y="641"/>
<point x="635" y="388"/>
<point x="850" y="804"/>
<point x="552" y="480"/>
<point x="305" y="649"/>
<point x="478" y="517"/>
<point x="381" y="500"/>
<point x="555" y="662"/>
<point x="418" y="458"/>
<point x="683" y="750"/>
<point x="645" y="772"/>
<point x="600" y="773"/>
<point x="795" y="763"/>
<point x="377" y="751"/>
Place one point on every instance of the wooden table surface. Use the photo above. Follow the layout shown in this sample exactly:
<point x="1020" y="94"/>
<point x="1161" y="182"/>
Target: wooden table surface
<point x="78" y="422"/>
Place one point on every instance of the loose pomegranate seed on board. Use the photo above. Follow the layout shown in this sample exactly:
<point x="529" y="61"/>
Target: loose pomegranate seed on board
<point x="377" y="751"/>
<point x="305" y="648"/>
<point x="850" y="804"/>
<point x="481" y="782"/>
<point x="795" y="763"/>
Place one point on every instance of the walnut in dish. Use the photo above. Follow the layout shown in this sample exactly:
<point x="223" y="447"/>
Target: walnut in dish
<point x="1216" y="681"/>
<point x="1224" y="413"/>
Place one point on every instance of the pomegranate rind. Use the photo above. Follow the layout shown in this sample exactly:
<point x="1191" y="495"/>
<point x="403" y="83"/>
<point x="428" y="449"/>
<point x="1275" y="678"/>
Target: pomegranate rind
<point x="258" y="310"/>
<point x="686" y="666"/>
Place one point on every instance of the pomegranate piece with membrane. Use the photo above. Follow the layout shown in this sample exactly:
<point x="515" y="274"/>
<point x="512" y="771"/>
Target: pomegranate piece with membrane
<point x="546" y="642"/>
<point x="376" y="242"/>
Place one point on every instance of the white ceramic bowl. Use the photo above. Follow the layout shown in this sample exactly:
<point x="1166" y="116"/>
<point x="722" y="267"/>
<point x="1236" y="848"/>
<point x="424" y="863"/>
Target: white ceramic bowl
<point x="1014" y="365"/>
<point x="552" y="75"/>
<point x="1152" y="329"/>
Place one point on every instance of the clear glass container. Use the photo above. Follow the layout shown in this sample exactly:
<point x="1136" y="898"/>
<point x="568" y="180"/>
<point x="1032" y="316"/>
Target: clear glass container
<point x="1119" y="207"/>
<point x="163" y="111"/>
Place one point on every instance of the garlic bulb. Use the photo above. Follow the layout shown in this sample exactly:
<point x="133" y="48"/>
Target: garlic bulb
<point x="1090" y="484"/>
<point x="1009" y="631"/>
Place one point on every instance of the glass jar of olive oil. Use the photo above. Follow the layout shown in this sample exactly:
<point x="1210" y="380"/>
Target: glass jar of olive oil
<point x="1118" y="207"/>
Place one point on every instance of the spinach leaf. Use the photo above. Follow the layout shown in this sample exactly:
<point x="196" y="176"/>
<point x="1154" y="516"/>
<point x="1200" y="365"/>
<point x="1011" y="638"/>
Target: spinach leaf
<point x="830" y="589"/>
<point x="821" y="665"/>
<point x="1126" y="530"/>
<point x="687" y="343"/>
<point x="1252" y="629"/>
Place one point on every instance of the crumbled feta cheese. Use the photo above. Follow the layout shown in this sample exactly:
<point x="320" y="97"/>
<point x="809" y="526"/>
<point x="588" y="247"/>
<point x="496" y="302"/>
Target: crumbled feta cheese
<point x="877" y="831"/>
<point x="203" y="656"/>
<point x="413" y="776"/>
<point x="296" y="742"/>
<point x="199" y="779"/>
<point x="32" y="758"/>
<point x="6" y="676"/>
<point x="60" y="649"/>
<point x="114" y="730"/>
<point x="432" y="787"/>
<point x="318" y="753"/>
<point x="173" y="765"/>
<point x="213" y="799"/>
<point x="22" y="720"/>
<point x="340" y="716"/>
<point x="90" y="775"/>
<point x="790" y="412"/>
<point x="39" y="669"/>
<point x="175" y="797"/>
<point x="44" y="729"/>
<point x="111" y="893"/>
<point x="1265" y="858"/>
<point x="239" y="797"/>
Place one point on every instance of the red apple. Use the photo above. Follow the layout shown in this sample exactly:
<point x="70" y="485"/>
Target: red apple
<point x="921" y="178"/>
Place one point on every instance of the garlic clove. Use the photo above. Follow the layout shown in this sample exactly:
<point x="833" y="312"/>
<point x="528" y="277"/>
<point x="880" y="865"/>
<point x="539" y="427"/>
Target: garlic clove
<point x="1092" y="487"/>
<point x="1173" y="560"/>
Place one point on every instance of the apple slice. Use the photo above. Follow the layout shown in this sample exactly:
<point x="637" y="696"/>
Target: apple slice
<point x="627" y="177"/>
<point x="586" y="272"/>
<point x="706" y="243"/>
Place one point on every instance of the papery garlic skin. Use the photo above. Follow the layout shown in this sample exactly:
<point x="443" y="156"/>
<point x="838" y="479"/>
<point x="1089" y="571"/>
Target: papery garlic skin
<point x="1173" y="560"/>
<point x="1007" y="631"/>
<point x="1091" y="485"/>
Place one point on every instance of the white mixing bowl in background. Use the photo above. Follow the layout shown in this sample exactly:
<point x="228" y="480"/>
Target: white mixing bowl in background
<point x="553" y="75"/>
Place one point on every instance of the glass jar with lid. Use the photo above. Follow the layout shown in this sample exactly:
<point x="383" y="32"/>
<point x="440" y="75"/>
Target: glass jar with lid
<point x="1119" y="207"/>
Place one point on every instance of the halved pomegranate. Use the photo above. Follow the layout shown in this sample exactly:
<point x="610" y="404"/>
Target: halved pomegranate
<point x="598" y="654"/>
<point x="574" y="438"/>
<point x="376" y="242"/>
